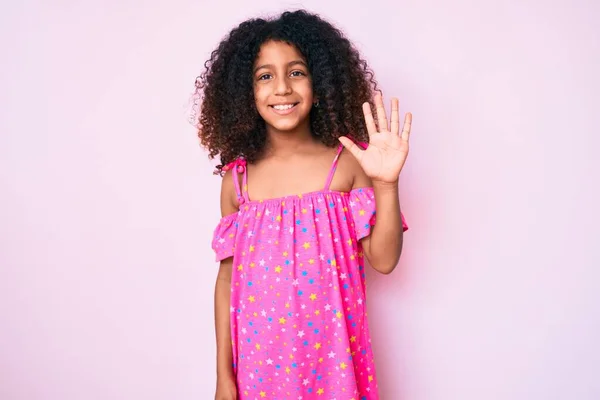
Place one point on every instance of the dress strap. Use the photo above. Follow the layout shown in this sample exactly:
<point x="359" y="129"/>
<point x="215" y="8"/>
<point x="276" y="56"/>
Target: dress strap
<point x="333" y="167"/>
<point x="239" y="167"/>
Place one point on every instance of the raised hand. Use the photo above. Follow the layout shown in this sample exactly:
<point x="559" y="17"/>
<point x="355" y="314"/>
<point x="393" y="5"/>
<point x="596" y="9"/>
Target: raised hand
<point x="383" y="160"/>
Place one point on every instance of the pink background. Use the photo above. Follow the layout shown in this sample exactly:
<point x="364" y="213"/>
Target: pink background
<point x="107" y="204"/>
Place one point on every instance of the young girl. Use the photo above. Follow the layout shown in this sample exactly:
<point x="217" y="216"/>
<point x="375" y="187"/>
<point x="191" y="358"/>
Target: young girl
<point x="281" y="99"/>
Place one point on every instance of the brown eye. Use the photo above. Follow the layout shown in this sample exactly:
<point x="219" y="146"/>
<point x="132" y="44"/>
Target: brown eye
<point x="264" y="77"/>
<point x="297" y="73"/>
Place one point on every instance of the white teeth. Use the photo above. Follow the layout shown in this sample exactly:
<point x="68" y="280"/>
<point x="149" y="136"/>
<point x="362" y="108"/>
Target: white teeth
<point x="283" y="107"/>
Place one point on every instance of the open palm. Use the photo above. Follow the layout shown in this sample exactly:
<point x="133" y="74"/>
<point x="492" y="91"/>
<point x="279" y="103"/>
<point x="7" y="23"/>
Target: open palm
<point x="383" y="160"/>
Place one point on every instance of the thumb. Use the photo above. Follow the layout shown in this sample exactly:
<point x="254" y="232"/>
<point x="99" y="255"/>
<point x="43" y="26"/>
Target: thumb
<point x="351" y="147"/>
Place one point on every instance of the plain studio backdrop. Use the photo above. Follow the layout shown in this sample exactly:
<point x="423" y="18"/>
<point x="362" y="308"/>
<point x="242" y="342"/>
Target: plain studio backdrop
<point x="108" y="204"/>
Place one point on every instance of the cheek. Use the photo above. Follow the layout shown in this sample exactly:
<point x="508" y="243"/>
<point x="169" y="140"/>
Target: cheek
<point x="306" y="91"/>
<point x="260" y="94"/>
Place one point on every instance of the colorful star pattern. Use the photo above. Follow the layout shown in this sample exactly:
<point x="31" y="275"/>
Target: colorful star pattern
<point x="298" y="313"/>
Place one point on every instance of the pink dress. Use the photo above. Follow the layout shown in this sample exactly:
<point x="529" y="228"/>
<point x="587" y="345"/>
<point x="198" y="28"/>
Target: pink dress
<point x="298" y="314"/>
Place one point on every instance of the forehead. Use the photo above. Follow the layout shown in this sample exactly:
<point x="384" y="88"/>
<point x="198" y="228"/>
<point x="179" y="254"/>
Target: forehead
<point x="273" y="52"/>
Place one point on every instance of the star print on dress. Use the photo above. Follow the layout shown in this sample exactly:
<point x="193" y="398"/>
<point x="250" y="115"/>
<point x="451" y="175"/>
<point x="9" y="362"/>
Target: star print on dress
<point x="298" y="312"/>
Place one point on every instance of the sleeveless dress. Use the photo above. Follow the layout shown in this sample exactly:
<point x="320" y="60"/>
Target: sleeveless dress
<point x="298" y="314"/>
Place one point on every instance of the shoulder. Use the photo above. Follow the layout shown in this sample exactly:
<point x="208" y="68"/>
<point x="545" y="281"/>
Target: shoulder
<point x="351" y="168"/>
<point x="228" y="196"/>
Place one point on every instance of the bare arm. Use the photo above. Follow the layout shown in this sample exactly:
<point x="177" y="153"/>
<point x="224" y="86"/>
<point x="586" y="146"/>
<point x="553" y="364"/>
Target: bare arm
<point x="222" y="323"/>
<point x="383" y="246"/>
<point x="381" y="163"/>
<point x="225" y="378"/>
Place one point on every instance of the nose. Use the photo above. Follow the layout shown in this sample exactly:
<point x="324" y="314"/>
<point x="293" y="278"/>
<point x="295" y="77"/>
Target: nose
<point x="282" y="86"/>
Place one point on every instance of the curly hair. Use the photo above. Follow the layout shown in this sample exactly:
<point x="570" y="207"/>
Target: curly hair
<point x="229" y="124"/>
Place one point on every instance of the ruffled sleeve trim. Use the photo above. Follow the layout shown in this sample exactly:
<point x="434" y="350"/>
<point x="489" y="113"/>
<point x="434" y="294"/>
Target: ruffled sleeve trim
<point x="362" y="207"/>
<point x="223" y="243"/>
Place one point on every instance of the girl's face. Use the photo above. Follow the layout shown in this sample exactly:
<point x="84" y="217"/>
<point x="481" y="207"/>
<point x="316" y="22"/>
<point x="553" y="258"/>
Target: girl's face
<point x="282" y="87"/>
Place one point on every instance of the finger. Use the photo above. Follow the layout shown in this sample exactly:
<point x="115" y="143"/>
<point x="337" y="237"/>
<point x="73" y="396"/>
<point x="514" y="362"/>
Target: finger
<point x="395" y="124"/>
<point x="356" y="151"/>
<point x="371" y="128"/>
<point x="381" y="117"/>
<point x="407" y="125"/>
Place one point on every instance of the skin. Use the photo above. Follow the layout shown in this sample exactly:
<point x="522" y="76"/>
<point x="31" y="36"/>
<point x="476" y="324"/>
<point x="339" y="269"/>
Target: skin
<point x="226" y="387"/>
<point x="382" y="163"/>
<point x="281" y="76"/>
<point x="295" y="162"/>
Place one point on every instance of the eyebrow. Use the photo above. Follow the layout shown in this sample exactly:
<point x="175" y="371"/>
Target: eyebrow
<point x="291" y="63"/>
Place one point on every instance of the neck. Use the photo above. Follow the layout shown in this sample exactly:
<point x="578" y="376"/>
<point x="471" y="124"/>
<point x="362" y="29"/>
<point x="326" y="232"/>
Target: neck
<point x="288" y="142"/>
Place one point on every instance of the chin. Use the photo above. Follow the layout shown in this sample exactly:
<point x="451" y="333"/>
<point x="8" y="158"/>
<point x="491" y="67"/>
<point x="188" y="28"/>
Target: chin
<point x="282" y="123"/>
<point x="284" y="127"/>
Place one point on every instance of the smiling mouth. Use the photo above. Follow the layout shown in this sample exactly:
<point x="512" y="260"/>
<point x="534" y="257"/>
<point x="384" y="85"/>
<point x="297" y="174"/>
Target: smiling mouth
<point x="284" y="107"/>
